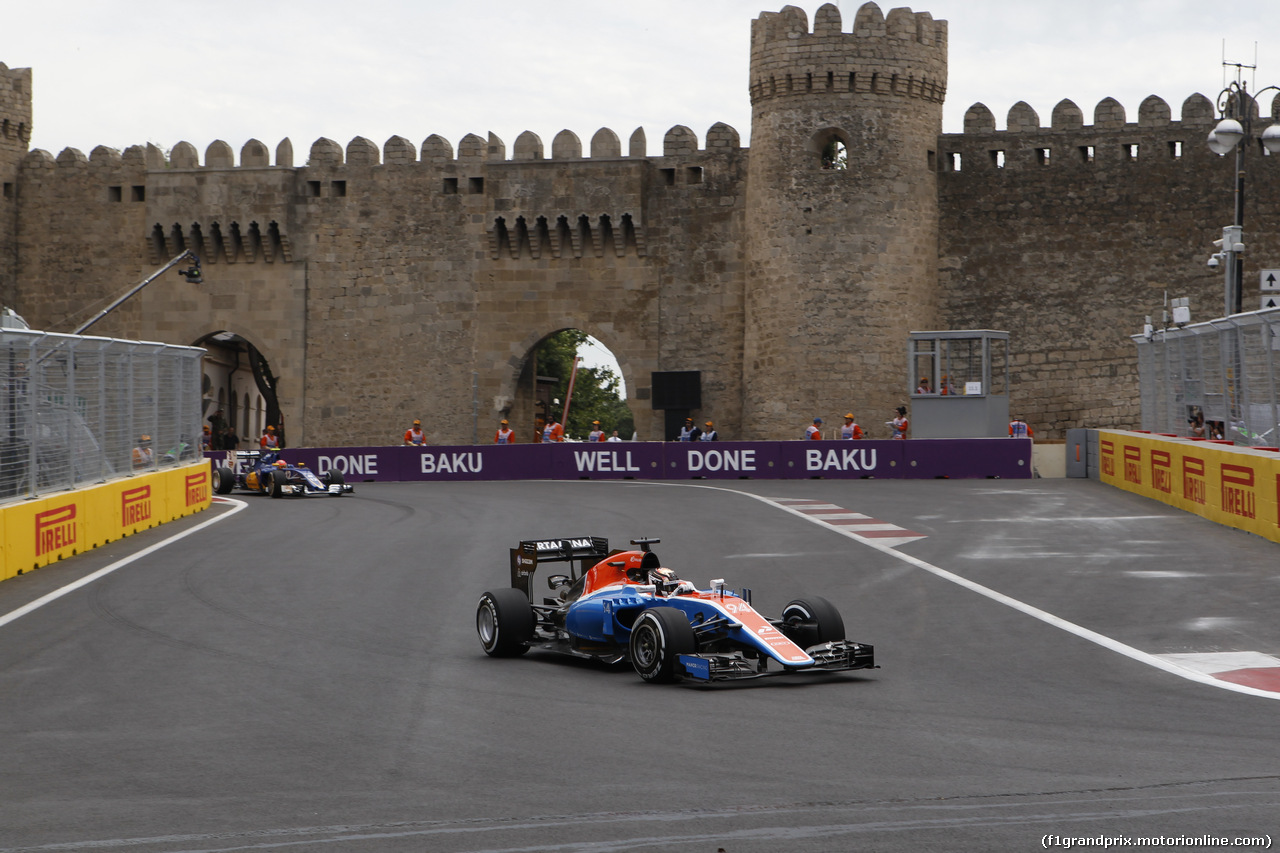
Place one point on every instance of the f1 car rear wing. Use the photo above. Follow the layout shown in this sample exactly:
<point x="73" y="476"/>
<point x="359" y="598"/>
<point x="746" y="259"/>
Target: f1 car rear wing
<point x="588" y="550"/>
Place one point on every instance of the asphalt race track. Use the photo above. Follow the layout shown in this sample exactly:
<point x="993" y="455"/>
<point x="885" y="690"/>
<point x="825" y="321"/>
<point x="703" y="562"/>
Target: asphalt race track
<point x="305" y="675"/>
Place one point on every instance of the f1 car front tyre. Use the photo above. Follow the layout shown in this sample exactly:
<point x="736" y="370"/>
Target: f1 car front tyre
<point x="658" y="638"/>
<point x="810" y="621"/>
<point x="223" y="480"/>
<point x="504" y="621"/>
<point x="332" y="477"/>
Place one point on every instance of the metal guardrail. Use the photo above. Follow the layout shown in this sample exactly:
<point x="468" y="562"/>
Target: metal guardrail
<point x="1218" y="379"/>
<point x="77" y="410"/>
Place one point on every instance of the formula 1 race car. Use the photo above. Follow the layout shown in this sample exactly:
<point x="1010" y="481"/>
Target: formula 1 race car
<point x="624" y="605"/>
<point x="265" y="472"/>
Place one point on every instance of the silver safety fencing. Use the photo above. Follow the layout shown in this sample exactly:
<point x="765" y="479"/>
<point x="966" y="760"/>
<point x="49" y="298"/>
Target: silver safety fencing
<point x="80" y="410"/>
<point x="1217" y="379"/>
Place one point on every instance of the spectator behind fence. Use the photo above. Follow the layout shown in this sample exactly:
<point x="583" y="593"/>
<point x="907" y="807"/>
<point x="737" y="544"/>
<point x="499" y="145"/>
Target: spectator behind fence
<point x="143" y="455"/>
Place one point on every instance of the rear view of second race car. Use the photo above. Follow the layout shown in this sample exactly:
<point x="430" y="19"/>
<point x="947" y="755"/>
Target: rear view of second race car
<point x="626" y="606"/>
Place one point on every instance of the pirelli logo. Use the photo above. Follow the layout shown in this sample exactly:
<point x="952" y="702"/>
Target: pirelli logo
<point x="1193" y="482"/>
<point x="1162" y="471"/>
<point x="135" y="506"/>
<point x="1108" y="454"/>
<point x="1133" y="464"/>
<point x="197" y="488"/>
<point x="1238" y="494"/>
<point x="55" y="529"/>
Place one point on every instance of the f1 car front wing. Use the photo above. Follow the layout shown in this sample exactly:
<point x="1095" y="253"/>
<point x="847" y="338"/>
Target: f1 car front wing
<point x="835" y="656"/>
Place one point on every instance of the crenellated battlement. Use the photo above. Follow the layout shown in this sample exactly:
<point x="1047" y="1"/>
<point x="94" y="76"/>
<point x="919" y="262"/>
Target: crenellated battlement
<point x="1025" y="144"/>
<point x="434" y="152"/>
<point x="903" y="55"/>
<point x="15" y="105"/>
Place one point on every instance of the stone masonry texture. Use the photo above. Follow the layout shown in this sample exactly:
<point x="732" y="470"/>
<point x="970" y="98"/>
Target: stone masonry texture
<point x="384" y="283"/>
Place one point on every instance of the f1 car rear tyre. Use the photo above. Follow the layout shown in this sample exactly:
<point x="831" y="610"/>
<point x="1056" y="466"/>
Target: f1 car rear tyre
<point x="223" y="480"/>
<point x="274" y="482"/>
<point x="810" y="621"/>
<point x="658" y="638"/>
<point x="504" y="621"/>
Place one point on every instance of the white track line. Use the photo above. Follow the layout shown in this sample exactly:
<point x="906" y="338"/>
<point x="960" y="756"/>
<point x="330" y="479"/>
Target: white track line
<point x="1021" y="606"/>
<point x="121" y="563"/>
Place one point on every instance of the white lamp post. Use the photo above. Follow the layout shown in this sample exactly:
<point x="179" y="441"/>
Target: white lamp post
<point x="1237" y="107"/>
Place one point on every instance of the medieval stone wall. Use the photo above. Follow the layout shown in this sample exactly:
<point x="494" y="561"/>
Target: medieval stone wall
<point x="402" y="281"/>
<point x="15" y="133"/>
<point x="1068" y="235"/>
<point x="842" y="256"/>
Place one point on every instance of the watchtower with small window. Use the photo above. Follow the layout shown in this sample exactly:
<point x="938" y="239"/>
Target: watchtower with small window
<point x="841" y="208"/>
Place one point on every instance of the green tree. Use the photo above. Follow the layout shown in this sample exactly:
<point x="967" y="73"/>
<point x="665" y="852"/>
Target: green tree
<point x="596" y="392"/>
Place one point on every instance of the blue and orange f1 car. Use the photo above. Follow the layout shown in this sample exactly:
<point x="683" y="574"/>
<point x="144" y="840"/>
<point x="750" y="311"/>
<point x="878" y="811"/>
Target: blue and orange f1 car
<point x="625" y="605"/>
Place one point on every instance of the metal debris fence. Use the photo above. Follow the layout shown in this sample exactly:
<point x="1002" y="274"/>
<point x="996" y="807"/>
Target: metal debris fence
<point x="79" y="410"/>
<point x="1223" y="373"/>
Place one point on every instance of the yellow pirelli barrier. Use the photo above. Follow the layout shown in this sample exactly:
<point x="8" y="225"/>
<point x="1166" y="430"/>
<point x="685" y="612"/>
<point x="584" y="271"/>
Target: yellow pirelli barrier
<point x="42" y="531"/>
<point x="1235" y="486"/>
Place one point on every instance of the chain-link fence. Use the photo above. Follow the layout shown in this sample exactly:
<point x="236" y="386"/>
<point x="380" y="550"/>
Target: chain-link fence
<point x="1216" y="380"/>
<point x="78" y="410"/>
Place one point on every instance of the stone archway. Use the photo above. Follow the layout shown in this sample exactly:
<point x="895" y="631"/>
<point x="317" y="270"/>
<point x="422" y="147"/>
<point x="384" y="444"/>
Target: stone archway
<point x="238" y="373"/>
<point x="528" y="395"/>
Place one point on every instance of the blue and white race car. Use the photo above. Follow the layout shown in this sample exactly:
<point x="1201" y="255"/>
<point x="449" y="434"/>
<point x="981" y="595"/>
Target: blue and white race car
<point x="625" y="605"/>
<point x="267" y="473"/>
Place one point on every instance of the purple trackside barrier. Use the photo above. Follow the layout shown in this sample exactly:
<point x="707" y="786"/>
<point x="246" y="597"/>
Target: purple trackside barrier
<point x="967" y="458"/>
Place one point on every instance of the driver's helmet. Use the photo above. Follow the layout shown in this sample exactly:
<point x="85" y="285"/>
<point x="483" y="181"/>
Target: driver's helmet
<point x="279" y="463"/>
<point x="664" y="580"/>
<point x="662" y="575"/>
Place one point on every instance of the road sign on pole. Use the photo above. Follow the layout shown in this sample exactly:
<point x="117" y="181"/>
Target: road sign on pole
<point x="1269" y="280"/>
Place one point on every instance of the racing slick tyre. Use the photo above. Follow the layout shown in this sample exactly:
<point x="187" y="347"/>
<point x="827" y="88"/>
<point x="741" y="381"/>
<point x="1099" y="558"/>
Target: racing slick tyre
<point x="658" y="638"/>
<point x="223" y="480"/>
<point x="504" y="621"/>
<point x="274" y="482"/>
<point x="332" y="477"/>
<point x="810" y="621"/>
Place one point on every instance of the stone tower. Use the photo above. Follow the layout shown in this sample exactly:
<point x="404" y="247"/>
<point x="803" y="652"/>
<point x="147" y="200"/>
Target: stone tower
<point x="841" y="213"/>
<point x="15" y="132"/>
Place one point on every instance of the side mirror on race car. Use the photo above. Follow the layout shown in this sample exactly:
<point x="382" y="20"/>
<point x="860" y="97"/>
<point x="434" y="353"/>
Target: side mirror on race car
<point x="557" y="581"/>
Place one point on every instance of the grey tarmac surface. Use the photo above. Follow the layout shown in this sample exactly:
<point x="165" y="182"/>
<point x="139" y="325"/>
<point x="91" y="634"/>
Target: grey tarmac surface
<point x="305" y="675"/>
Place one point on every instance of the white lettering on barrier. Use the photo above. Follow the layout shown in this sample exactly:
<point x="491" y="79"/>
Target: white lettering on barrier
<point x="602" y="460"/>
<point x="452" y="463"/>
<point x="840" y="460"/>
<point x="366" y="464"/>
<point x="722" y="460"/>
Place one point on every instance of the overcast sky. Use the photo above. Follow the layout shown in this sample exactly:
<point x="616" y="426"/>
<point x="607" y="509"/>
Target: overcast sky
<point x="118" y="74"/>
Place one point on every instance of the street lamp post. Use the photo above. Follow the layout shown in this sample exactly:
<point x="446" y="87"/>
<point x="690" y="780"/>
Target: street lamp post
<point x="1237" y="107"/>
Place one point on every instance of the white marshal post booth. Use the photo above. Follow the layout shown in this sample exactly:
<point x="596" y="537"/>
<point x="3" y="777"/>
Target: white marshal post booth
<point x="959" y="383"/>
